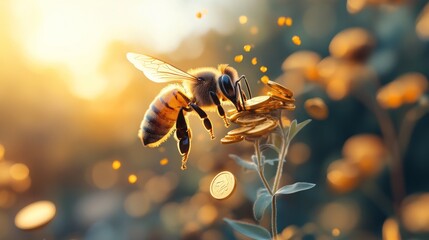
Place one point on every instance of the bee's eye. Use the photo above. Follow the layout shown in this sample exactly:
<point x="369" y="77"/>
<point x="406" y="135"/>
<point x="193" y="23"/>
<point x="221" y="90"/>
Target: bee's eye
<point x="226" y="86"/>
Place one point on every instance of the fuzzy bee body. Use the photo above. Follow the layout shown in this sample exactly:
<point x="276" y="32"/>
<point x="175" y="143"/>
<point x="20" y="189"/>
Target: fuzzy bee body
<point x="160" y="117"/>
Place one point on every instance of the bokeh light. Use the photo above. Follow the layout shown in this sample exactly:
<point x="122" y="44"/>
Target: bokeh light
<point x="405" y="89"/>
<point x="116" y="164"/>
<point x="103" y="176"/>
<point x="353" y="43"/>
<point x="316" y="108"/>
<point x="137" y="204"/>
<point x="415" y="212"/>
<point x="367" y="152"/>
<point x="343" y="176"/>
<point x="343" y="215"/>
<point x="35" y="215"/>
<point x="132" y="178"/>
<point x="422" y="26"/>
<point x="19" y="171"/>
<point x="391" y="230"/>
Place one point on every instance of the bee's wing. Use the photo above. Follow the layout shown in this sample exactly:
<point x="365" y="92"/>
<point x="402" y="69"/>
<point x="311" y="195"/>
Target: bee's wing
<point x="157" y="70"/>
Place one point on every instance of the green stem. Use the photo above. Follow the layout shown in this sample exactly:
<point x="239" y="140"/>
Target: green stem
<point x="261" y="168"/>
<point x="282" y="155"/>
<point x="274" y="217"/>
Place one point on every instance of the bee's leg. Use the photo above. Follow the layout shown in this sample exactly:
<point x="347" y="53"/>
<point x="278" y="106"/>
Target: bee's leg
<point x="183" y="135"/>
<point x="203" y="116"/>
<point x="220" y="110"/>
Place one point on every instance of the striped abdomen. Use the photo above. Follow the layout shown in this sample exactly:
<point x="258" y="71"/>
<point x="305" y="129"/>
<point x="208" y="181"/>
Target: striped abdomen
<point x="161" y="116"/>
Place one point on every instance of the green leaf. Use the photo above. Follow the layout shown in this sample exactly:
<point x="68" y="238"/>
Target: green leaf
<point x="295" y="128"/>
<point x="263" y="200"/>
<point x="249" y="230"/>
<point x="296" y="187"/>
<point x="255" y="159"/>
<point x="272" y="161"/>
<point x="245" y="164"/>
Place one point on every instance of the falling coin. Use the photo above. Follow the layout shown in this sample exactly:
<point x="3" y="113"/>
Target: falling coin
<point x="231" y="139"/>
<point x="256" y="102"/>
<point x="263" y="128"/>
<point x="240" y="130"/>
<point x="251" y="119"/>
<point x="279" y="88"/>
<point x="222" y="185"/>
<point x="35" y="215"/>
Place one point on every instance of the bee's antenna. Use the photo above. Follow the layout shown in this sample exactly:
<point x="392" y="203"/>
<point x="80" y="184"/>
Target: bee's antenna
<point x="238" y="90"/>
<point x="247" y="85"/>
<point x="238" y="86"/>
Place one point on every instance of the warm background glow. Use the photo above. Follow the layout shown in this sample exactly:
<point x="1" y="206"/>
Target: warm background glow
<point x="71" y="105"/>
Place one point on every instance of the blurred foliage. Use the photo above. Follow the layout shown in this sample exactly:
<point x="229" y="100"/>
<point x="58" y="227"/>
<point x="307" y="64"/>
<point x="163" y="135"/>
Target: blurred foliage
<point x="70" y="105"/>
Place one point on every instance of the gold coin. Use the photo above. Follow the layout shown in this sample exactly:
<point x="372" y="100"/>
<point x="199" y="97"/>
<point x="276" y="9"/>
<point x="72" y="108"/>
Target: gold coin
<point x="234" y="116"/>
<point x="280" y="89"/>
<point x="222" y="185"/>
<point x="274" y="104"/>
<point x="251" y="119"/>
<point x="262" y="128"/>
<point x="288" y="106"/>
<point x="231" y="139"/>
<point x="263" y="110"/>
<point x="240" y="130"/>
<point x="232" y="111"/>
<point x="256" y="102"/>
<point x="280" y="97"/>
<point x="35" y="215"/>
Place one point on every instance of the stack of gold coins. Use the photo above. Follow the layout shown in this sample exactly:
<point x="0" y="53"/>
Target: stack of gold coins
<point x="256" y="120"/>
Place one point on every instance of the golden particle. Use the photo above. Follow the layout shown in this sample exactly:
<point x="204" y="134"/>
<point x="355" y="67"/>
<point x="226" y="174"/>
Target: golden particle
<point x="132" y="178"/>
<point x="116" y="164"/>
<point x="238" y="58"/>
<point x="265" y="79"/>
<point x="263" y="69"/>
<point x="281" y="21"/>
<point x="242" y="19"/>
<point x="296" y="40"/>
<point x="247" y="47"/>
<point x="163" y="161"/>
<point x="254" y="61"/>
<point x="288" y="21"/>
<point x="199" y="15"/>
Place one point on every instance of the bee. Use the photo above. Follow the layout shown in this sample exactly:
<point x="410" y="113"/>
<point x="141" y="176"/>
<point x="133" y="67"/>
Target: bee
<point x="198" y="90"/>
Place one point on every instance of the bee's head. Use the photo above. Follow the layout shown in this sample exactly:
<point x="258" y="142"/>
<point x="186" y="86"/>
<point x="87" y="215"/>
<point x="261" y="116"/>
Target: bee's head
<point x="229" y="85"/>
